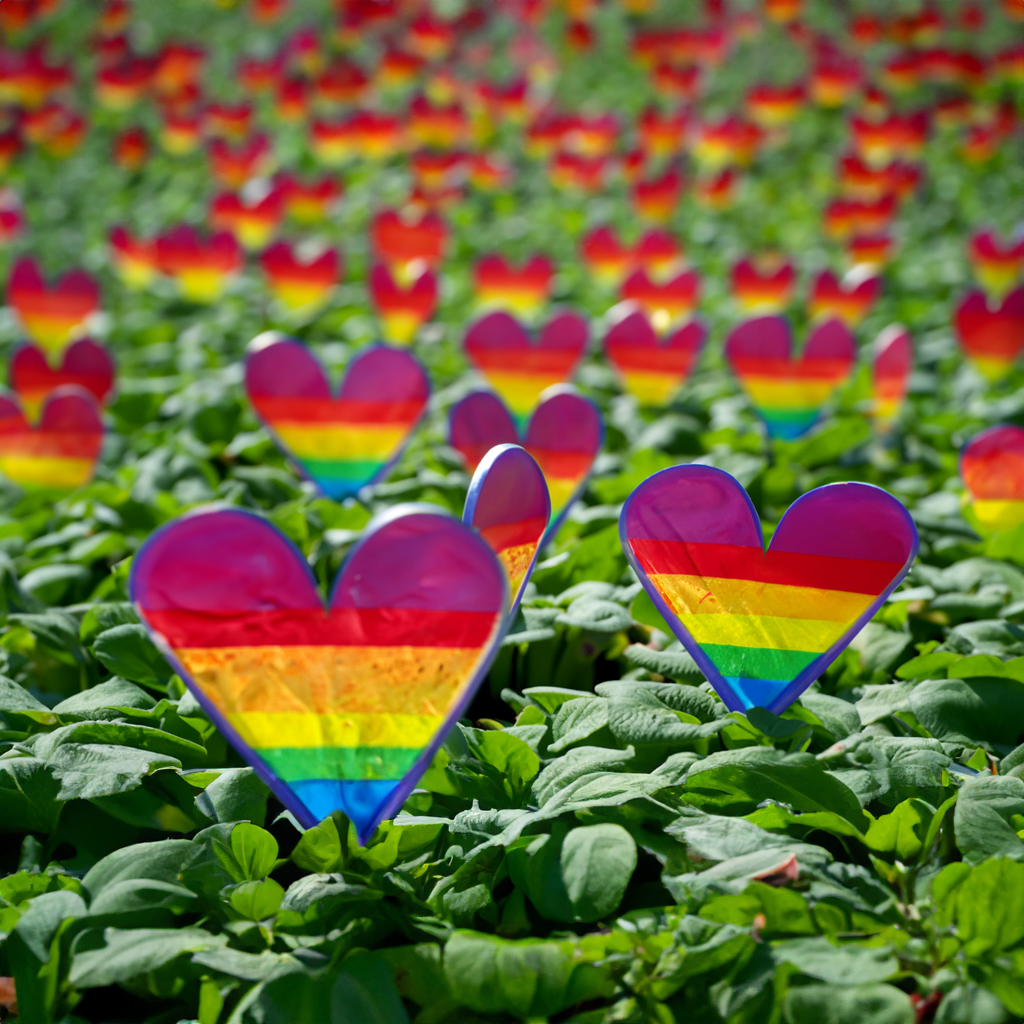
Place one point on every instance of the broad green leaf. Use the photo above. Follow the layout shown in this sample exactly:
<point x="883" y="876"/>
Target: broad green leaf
<point x="597" y="862"/>
<point x="983" y="821"/>
<point x="161" y="861"/>
<point x="255" y="900"/>
<point x="846" y="964"/>
<point x="677" y="665"/>
<point x="128" y="652"/>
<point x="237" y="794"/>
<point x="29" y="796"/>
<point x="858" y="1004"/>
<point x="990" y="908"/>
<point x="988" y="711"/>
<point x="114" y="693"/>
<point x="903" y="832"/>
<point x="251" y="852"/>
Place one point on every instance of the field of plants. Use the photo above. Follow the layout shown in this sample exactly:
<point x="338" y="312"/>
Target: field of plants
<point x="599" y="838"/>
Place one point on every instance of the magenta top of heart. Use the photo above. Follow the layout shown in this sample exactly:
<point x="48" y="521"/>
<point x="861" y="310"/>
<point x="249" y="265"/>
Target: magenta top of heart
<point x="704" y="505"/>
<point x="284" y="367"/>
<point x="223" y="561"/>
<point x="975" y="307"/>
<point x="481" y="419"/>
<point x="565" y="421"/>
<point x="69" y="409"/>
<point x="508" y="487"/>
<point x="84" y="356"/>
<point x="770" y="337"/>
<point x="636" y="331"/>
<point x="499" y="330"/>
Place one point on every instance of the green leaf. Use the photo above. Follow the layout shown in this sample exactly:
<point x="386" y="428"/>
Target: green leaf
<point x="250" y="854"/>
<point x="128" y="652"/>
<point x="162" y="861"/>
<point x="982" y="820"/>
<point x="320" y="849"/>
<point x="677" y="665"/>
<point x="859" y="1004"/>
<point x="990" y="908"/>
<point x="903" y="832"/>
<point x="846" y="964"/>
<point x="89" y="770"/>
<point x="29" y="796"/>
<point x="988" y="711"/>
<point x="237" y="794"/>
<point x="254" y="900"/>
<point x="970" y="1004"/>
<point x="114" y="693"/>
<point x="597" y="862"/>
<point x="127" y="953"/>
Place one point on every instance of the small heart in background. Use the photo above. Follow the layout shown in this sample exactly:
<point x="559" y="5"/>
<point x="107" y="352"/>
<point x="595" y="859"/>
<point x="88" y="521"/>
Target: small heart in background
<point x="564" y="435"/>
<point x="992" y="469"/>
<point x="763" y="626"/>
<point x="300" y="285"/>
<point x="339" y="707"/>
<point x="849" y="300"/>
<point x="61" y="450"/>
<point x="787" y="393"/>
<point x="664" y="302"/>
<point x="409" y="245"/>
<point x="763" y="288"/>
<point x="523" y="290"/>
<point x="892" y="362"/>
<point x="606" y="258"/>
<point x="202" y="266"/>
<point x="340" y="443"/>
<point x="517" y="367"/>
<point x="509" y="506"/>
<point x="651" y="369"/>
<point x="402" y="311"/>
<point x="997" y="267"/>
<point x="84" y="363"/>
<point x="992" y="336"/>
<point x="51" y="316"/>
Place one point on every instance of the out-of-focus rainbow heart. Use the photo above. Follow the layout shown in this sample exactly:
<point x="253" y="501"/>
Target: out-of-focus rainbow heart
<point x="61" y="450"/>
<point x="339" y="707"/>
<point x="564" y="435"/>
<point x="83" y="363"/>
<point x="509" y="506"/>
<point x="992" y="336"/>
<point x="649" y="368"/>
<point x="518" y="368"/>
<point x="763" y="626"/>
<point x="340" y="443"/>
<point x="992" y="469"/>
<point x="51" y="315"/>
<point x="892" y="362"/>
<point x="789" y="393"/>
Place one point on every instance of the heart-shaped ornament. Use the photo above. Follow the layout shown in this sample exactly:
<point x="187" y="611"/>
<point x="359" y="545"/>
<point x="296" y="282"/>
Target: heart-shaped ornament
<point x="509" y="506"/>
<point x="787" y="393"/>
<point x="83" y="363"/>
<point x="564" y="435"/>
<point x="339" y="707"/>
<point x="650" y="369"/>
<point x="892" y="363"/>
<point x="340" y="443"/>
<point x="518" y="368"/>
<point x="992" y="336"/>
<point x="992" y="469"/>
<point x="763" y="626"/>
<point x="51" y="314"/>
<point x="61" y="450"/>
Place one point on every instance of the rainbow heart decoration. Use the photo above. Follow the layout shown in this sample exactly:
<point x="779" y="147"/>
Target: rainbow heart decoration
<point x="992" y="469"/>
<point x="51" y="314"/>
<point x="892" y="362"/>
<point x="518" y="368"/>
<point x="508" y="505"/>
<point x="337" y="707"/>
<point x="61" y="450"/>
<point x="563" y="435"/>
<point x="789" y="393"/>
<point x="761" y="625"/>
<point x="83" y="363"/>
<point x="345" y="442"/>
<point x="992" y="336"/>
<point x="651" y="369"/>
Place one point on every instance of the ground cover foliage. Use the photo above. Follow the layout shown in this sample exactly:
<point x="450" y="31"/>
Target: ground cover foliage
<point x="599" y="840"/>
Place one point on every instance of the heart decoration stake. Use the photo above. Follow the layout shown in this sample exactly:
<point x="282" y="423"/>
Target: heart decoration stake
<point x="340" y="443"/>
<point x="763" y="626"/>
<point x="339" y="707"/>
<point x="892" y="362"/>
<point x="789" y="393"/>
<point x="51" y="315"/>
<point x="564" y="435"/>
<point x="849" y="300"/>
<point x="509" y="506"/>
<point x="648" y="369"/>
<point x="991" y="336"/>
<point x="61" y="450"/>
<point x="83" y="363"/>
<point x="518" y="368"/>
<point x="992" y="469"/>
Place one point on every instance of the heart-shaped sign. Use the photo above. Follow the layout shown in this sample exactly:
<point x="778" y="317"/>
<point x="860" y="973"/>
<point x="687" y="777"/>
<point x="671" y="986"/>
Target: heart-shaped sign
<point x="339" y="707"/>
<point x="849" y="300"/>
<point x="650" y="369"/>
<point x="340" y="443"/>
<point x="992" y="469"/>
<point x="83" y="363"/>
<point x="763" y="626"/>
<point x="520" y="369"/>
<point x="61" y="450"/>
<point x="892" y="362"/>
<point x="664" y="302"/>
<point x="564" y="435"/>
<point x="509" y="506"/>
<point x="992" y="336"/>
<point x="402" y="311"/>
<point x="789" y="393"/>
<point x="524" y="289"/>
<point x="51" y="315"/>
<point x="763" y="287"/>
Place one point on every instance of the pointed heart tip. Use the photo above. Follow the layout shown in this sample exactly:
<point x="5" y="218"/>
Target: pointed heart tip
<point x="361" y="801"/>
